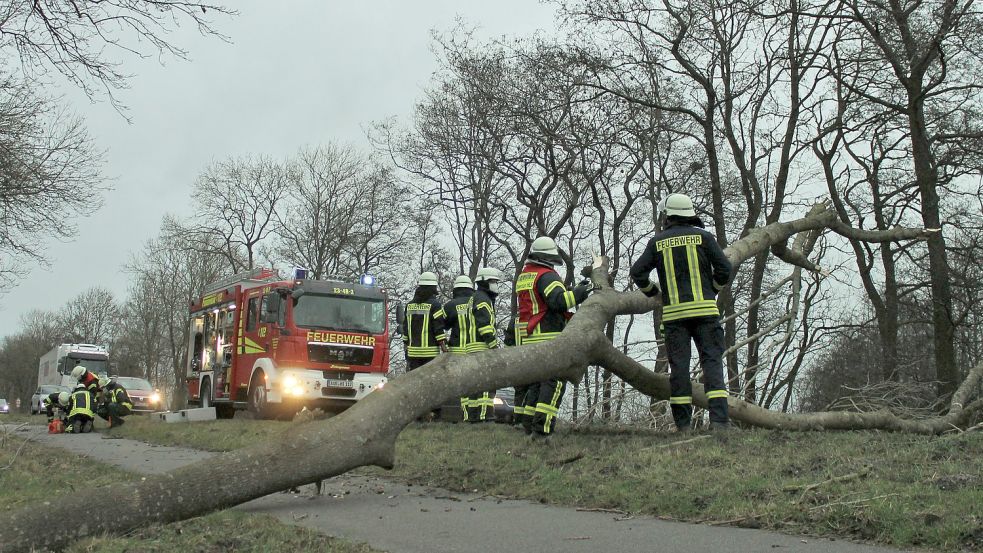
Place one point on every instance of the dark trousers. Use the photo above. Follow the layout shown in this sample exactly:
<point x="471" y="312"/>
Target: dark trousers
<point x="544" y="398"/>
<point x="479" y="408"/>
<point x="79" y="424"/>
<point x="519" y="406"/>
<point x="114" y="413"/>
<point x="417" y="362"/>
<point x="708" y="335"/>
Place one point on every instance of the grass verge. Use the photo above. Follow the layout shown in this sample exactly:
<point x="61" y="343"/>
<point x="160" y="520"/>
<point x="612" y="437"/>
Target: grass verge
<point x="31" y="474"/>
<point x="895" y="489"/>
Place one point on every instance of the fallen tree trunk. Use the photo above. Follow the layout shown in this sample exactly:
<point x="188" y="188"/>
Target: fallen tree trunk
<point x="366" y="433"/>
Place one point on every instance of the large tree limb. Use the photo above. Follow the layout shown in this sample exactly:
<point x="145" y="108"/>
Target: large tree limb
<point x="366" y="433"/>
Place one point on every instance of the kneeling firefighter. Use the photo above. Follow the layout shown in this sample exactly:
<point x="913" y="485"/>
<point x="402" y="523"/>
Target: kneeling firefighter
<point x="116" y="403"/>
<point x="80" y="413"/>
<point x="544" y="308"/>
<point x="57" y="400"/>
<point x="481" y="407"/>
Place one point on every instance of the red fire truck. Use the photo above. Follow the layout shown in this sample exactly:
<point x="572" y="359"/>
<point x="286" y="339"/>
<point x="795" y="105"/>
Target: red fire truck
<point x="274" y="346"/>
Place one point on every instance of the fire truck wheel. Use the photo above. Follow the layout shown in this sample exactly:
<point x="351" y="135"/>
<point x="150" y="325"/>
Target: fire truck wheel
<point x="258" y="404"/>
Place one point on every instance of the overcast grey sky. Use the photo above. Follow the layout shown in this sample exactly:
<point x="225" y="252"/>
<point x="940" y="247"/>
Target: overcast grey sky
<point x="295" y="73"/>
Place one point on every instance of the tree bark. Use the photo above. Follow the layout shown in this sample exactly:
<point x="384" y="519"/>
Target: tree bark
<point x="366" y="433"/>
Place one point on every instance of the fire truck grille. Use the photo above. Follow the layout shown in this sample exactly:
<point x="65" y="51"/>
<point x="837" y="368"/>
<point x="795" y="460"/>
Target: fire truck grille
<point x="323" y="353"/>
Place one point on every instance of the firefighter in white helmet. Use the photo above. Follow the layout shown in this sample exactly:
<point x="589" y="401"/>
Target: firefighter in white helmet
<point x="57" y="400"/>
<point x="85" y="377"/>
<point x="544" y="308"/>
<point x="691" y="269"/>
<point x="460" y="323"/>
<point x="423" y="327"/>
<point x="481" y="407"/>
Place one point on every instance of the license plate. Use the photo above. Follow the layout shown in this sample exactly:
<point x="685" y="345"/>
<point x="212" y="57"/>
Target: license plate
<point x="341" y="384"/>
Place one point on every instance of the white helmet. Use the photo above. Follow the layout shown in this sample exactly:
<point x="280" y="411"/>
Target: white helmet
<point x="79" y="386"/>
<point x="678" y="205"/>
<point x="103" y="382"/>
<point x="544" y="249"/>
<point x="487" y="274"/>
<point x="77" y="372"/>
<point x="427" y="278"/>
<point x="63" y="398"/>
<point x="463" y="282"/>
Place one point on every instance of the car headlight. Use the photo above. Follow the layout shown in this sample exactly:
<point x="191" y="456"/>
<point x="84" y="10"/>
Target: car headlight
<point x="155" y="398"/>
<point x="498" y="401"/>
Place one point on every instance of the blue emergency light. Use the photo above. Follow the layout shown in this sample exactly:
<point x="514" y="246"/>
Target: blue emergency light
<point x="299" y="273"/>
<point x="367" y="280"/>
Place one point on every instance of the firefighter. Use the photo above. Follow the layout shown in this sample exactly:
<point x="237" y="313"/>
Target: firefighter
<point x="86" y="378"/>
<point x="115" y="404"/>
<point x="519" y="398"/>
<point x="544" y="308"/>
<point x="459" y="321"/>
<point x="56" y="400"/>
<point x="80" y="414"/>
<point x="692" y="269"/>
<point x="481" y="407"/>
<point x="423" y="328"/>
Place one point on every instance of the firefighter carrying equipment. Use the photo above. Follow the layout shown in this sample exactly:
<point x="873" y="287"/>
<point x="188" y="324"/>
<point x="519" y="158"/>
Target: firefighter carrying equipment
<point x="544" y="309"/>
<point x="423" y="328"/>
<point x="691" y="269"/>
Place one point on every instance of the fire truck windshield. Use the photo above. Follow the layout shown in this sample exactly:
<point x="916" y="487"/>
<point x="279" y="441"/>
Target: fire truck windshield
<point x="340" y="313"/>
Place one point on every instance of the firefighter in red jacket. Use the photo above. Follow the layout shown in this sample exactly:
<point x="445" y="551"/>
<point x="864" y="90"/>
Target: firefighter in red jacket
<point x="86" y="378"/>
<point x="423" y="328"/>
<point x="544" y="308"/>
<point x="481" y="407"/>
<point x="692" y="269"/>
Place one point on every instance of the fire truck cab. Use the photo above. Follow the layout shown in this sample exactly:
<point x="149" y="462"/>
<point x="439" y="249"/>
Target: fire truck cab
<point x="274" y="346"/>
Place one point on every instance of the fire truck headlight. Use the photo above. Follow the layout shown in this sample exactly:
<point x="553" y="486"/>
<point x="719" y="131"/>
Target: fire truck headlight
<point x="381" y="385"/>
<point x="289" y="382"/>
<point x="155" y="398"/>
<point x="297" y="390"/>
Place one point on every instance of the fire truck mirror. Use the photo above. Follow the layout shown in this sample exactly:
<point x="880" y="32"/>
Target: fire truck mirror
<point x="297" y="293"/>
<point x="272" y="312"/>
<point x="400" y="314"/>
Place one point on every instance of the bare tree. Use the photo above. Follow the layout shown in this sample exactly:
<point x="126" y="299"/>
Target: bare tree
<point x="92" y="317"/>
<point x="367" y="432"/>
<point x="49" y="175"/>
<point x="236" y="203"/>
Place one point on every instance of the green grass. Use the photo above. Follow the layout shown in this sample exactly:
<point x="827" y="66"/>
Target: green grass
<point x="901" y="490"/>
<point x="31" y="474"/>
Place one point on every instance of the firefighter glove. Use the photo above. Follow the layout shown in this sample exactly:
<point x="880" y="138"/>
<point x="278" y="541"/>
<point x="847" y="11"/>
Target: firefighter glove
<point x="581" y="292"/>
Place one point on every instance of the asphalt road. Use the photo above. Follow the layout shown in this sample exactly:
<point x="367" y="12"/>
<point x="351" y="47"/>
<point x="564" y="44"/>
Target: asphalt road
<point x="411" y="519"/>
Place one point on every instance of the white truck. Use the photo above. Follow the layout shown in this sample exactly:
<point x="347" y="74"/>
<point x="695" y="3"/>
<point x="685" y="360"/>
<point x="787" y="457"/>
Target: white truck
<point x="55" y="367"/>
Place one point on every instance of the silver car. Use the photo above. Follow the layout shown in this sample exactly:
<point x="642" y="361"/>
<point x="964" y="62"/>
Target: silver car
<point x="37" y="400"/>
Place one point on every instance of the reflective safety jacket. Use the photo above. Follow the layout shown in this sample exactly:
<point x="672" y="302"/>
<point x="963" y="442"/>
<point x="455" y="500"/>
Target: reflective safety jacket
<point x="459" y="320"/>
<point x="482" y="335"/>
<point x="50" y="403"/>
<point x="115" y="393"/>
<point x="90" y="381"/>
<point x="423" y="329"/>
<point x="691" y="267"/>
<point x="80" y="404"/>
<point x="544" y="304"/>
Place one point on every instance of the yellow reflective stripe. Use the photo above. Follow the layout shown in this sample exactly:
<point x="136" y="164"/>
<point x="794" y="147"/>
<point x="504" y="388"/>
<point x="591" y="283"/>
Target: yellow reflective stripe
<point x="487" y="329"/>
<point x="688" y="305"/>
<point x="551" y="286"/>
<point x="695" y="281"/>
<point x="717" y="286"/>
<point x="670" y="269"/>
<point x="648" y="288"/>
<point x="416" y="351"/>
<point x="692" y="315"/>
<point x="425" y="335"/>
<point x="570" y="299"/>
<point x="476" y="347"/>
<point x="714" y="394"/>
<point x="680" y="400"/>
<point x="539" y="338"/>
<point x="439" y="314"/>
<point x="458" y="350"/>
